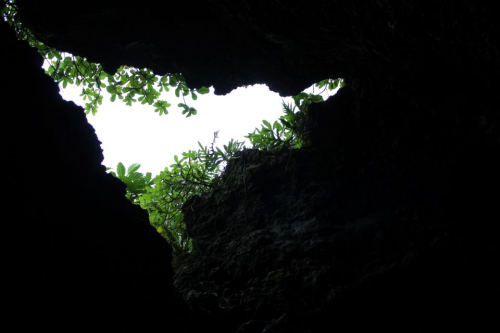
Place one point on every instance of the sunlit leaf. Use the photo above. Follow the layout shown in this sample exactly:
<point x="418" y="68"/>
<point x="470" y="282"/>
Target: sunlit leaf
<point x="120" y="170"/>
<point x="133" y="167"/>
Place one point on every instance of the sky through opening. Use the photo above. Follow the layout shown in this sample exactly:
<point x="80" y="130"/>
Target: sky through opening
<point x="137" y="134"/>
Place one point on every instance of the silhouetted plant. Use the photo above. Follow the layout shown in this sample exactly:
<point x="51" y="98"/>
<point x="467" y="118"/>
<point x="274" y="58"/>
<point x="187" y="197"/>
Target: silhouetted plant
<point x="128" y="84"/>
<point x="289" y="130"/>
<point x="194" y="173"/>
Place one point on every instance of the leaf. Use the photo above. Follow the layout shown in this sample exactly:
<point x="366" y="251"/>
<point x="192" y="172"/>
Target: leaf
<point x="135" y="176"/>
<point x="203" y="90"/>
<point x="317" y="98"/>
<point x="173" y="81"/>
<point x="333" y="84"/>
<point x="102" y="74"/>
<point x="120" y="169"/>
<point x="161" y="107"/>
<point x="133" y="167"/>
<point x="277" y="126"/>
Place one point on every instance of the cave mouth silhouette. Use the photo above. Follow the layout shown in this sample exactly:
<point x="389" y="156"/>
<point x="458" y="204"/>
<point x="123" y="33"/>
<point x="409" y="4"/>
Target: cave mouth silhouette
<point x="390" y="216"/>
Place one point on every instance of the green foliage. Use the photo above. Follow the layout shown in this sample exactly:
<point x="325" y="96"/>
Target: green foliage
<point x="195" y="173"/>
<point x="136" y="182"/>
<point x="304" y="100"/>
<point x="128" y="84"/>
<point x="289" y="131"/>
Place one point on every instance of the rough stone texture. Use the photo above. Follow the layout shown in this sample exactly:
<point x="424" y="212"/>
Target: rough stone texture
<point x="388" y="221"/>
<point x="395" y="226"/>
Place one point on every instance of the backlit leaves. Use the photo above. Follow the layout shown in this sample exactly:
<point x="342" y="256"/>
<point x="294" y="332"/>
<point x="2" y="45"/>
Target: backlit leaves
<point x="194" y="173"/>
<point x="289" y="130"/>
<point x="128" y="84"/>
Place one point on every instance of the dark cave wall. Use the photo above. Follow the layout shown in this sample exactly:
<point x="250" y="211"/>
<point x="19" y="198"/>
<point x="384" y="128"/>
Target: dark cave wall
<point x="76" y="252"/>
<point x="388" y="220"/>
<point x="389" y="224"/>
<point x="228" y="43"/>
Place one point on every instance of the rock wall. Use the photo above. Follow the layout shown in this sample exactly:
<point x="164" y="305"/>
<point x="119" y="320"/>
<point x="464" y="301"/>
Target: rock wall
<point x="394" y="226"/>
<point x="76" y="253"/>
<point x="388" y="220"/>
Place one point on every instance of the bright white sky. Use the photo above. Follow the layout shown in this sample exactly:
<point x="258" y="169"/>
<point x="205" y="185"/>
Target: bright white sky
<point x="137" y="134"/>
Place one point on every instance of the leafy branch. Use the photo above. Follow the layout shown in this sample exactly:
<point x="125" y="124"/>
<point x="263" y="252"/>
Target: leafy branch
<point x="289" y="131"/>
<point x="128" y="84"/>
<point x="135" y="181"/>
<point x="195" y="173"/>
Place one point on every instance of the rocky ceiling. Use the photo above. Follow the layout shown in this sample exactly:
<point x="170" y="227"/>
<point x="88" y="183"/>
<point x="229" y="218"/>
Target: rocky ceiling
<point x="286" y="45"/>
